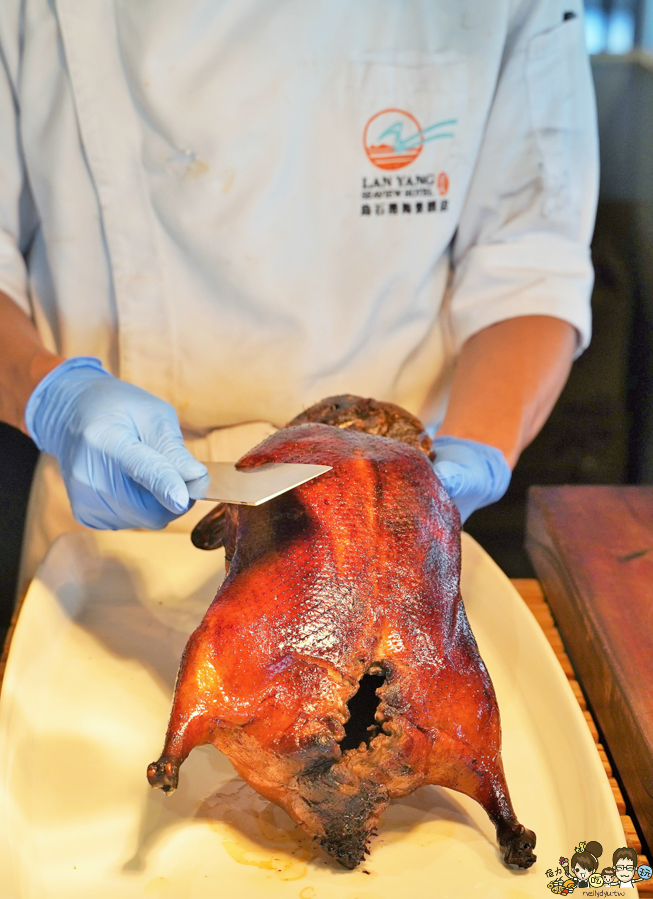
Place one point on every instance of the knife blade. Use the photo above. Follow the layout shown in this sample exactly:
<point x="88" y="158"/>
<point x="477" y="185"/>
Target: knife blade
<point x="225" y="483"/>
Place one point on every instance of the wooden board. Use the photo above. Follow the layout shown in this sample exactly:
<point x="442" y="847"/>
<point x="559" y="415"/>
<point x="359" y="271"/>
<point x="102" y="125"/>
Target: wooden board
<point x="531" y="593"/>
<point x="592" y="548"/>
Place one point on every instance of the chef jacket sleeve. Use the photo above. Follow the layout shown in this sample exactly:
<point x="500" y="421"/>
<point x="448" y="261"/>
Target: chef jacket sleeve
<point x="17" y="214"/>
<point x="522" y="245"/>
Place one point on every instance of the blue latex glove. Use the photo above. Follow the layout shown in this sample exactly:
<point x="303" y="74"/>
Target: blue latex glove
<point x="119" y="448"/>
<point x="473" y="474"/>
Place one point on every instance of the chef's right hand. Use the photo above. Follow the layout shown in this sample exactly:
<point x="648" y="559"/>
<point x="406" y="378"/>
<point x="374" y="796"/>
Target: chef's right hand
<point x="473" y="474"/>
<point x="120" y="449"/>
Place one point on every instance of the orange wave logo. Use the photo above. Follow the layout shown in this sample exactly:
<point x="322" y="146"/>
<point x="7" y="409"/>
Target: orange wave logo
<point x="393" y="138"/>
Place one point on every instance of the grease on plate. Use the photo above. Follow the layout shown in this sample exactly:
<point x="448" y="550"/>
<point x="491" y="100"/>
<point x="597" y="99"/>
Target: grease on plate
<point x="257" y="832"/>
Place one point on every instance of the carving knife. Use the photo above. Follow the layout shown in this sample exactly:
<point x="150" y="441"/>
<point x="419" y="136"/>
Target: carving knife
<point x="225" y="483"/>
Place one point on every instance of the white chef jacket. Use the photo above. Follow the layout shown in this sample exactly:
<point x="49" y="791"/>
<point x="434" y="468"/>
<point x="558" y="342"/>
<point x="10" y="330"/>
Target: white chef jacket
<point x="244" y="206"/>
<point x="183" y="183"/>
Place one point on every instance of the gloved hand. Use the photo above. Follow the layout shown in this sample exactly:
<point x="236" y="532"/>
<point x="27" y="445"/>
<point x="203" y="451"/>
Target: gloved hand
<point x="473" y="474"/>
<point x="119" y="448"/>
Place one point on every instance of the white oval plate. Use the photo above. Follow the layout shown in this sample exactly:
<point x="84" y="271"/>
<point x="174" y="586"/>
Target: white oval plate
<point x="84" y="708"/>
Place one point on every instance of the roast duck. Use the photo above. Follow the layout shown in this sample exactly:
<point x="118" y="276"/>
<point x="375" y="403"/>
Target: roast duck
<point x="336" y="667"/>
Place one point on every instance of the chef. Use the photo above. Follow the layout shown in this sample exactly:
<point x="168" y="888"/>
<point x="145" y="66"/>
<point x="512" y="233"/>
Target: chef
<point x="213" y="214"/>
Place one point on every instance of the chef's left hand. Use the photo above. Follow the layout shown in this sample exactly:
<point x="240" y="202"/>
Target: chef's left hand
<point x="473" y="474"/>
<point x="119" y="448"/>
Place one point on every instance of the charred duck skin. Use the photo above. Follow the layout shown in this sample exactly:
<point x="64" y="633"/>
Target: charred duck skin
<point x="336" y="667"/>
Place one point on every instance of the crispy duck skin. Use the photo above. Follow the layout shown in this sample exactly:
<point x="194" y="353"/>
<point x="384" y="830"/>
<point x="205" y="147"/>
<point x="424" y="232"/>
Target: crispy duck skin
<point x="347" y="411"/>
<point x="336" y="667"/>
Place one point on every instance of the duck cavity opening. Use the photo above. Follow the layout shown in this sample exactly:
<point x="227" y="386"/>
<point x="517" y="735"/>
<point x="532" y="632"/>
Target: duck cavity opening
<point x="361" y="726"/>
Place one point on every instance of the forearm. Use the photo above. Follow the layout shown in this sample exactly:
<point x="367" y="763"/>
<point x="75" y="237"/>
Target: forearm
<point x="24" y="361"/>
<point x="507" y="380"/>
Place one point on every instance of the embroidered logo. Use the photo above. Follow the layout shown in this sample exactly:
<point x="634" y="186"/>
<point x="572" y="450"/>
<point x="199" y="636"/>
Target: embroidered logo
<point x="393" y="138"/>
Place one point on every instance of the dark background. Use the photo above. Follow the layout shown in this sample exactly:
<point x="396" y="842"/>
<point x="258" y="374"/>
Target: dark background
<point x="602" y="428"/>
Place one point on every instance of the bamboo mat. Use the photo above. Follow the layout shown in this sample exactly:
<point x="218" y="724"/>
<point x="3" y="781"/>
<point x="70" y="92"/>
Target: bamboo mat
<point x="531" y="592"/>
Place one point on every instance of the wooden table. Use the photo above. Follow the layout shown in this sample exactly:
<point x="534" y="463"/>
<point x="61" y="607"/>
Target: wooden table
<point x="592" y="549"/>
<point x="531" y="593"/>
